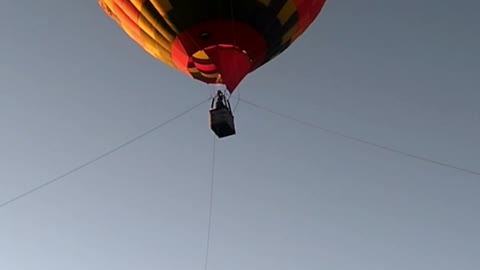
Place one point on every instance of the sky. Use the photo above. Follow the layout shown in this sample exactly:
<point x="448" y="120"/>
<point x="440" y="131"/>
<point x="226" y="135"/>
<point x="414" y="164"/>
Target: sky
<point x="403" y="74"/>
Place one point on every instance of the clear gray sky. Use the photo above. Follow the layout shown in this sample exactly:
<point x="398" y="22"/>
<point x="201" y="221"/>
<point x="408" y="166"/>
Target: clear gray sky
<point x="399" y="73"/>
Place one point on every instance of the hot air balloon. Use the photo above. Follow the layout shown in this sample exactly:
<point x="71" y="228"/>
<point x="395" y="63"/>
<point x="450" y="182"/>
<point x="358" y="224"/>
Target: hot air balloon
<point x="214" y="41"/>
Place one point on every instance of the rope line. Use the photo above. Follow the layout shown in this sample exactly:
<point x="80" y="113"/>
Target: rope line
<point x="90" y="162"/>
<point x="363" y="141"/>
<point x="212" y="182"/>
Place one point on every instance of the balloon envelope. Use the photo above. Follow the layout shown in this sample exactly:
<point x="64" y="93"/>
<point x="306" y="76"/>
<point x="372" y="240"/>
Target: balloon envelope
<point x="214" y="41"/>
